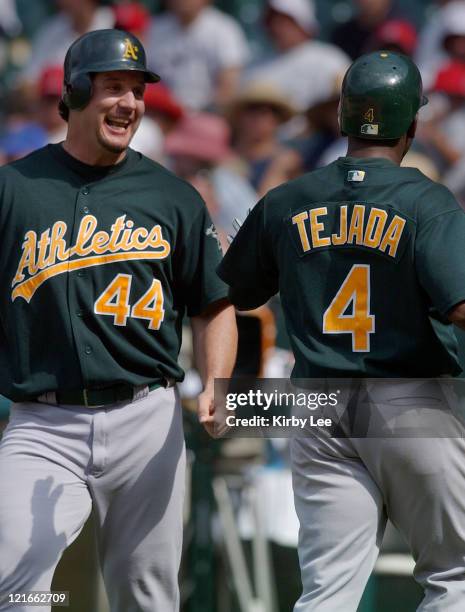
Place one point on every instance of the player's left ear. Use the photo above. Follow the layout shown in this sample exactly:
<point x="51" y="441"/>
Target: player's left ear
<point x="413" y="128"/>
<point x="409" y="136"/>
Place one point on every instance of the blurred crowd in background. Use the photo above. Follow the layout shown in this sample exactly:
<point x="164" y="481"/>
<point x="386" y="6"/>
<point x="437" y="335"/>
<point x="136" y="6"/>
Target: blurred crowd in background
<point x="249" y="89"/>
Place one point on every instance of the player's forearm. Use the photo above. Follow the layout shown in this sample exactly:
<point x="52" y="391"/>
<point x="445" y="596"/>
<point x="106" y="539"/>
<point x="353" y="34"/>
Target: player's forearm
<point x="215" y="343"/>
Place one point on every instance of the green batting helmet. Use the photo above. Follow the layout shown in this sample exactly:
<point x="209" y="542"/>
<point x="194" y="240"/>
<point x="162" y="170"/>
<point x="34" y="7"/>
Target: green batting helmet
<point x="100" y="51"/>
<point x="381" y="95"/>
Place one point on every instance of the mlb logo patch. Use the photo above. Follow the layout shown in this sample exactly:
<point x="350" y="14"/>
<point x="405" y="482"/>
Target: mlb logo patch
<point x="356" y="176"/>
<point x="370" y="129"/>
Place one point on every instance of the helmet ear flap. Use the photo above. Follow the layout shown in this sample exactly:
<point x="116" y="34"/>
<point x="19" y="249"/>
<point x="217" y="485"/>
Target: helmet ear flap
<point x="78" y="92"/>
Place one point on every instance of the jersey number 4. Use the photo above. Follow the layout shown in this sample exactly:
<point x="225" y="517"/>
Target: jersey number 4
<point x="114" y="301"/>
<point x="354" y="293"/>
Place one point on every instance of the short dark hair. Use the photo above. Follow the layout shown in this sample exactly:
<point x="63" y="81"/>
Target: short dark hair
<point x="63" y="110"/>
<point x="375" y="142"/>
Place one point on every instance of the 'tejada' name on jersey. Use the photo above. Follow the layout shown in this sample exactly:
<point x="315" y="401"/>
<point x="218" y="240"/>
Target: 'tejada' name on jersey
<point x="372" y="230"/>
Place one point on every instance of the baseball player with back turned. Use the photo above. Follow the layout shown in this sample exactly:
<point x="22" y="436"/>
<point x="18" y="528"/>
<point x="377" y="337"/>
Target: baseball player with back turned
<point x="367" y="256"/>
<point x="106" y="250"/>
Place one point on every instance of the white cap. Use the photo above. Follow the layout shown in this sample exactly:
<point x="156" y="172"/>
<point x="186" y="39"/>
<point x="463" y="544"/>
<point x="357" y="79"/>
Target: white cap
<point x="301" y="11"/>
<point x="149" y="139"/>
<point x="453" y="19"/>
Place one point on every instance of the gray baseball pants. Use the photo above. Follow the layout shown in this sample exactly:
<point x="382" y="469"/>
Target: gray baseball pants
<point x="126" y="462"/>
<point x="344" y="488"/>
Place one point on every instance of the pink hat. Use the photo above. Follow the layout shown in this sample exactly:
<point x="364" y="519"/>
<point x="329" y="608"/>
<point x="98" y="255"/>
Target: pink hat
<point x="50" y="82"/>
<point x="203" y="136"/>
<point x="397" y="32"/>
<point x="451" y="79"/>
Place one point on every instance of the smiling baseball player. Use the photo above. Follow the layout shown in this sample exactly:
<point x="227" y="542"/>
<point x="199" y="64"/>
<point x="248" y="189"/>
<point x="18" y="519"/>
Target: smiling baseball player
<point x="367" y="257"/>
<point x="106" y="251"/>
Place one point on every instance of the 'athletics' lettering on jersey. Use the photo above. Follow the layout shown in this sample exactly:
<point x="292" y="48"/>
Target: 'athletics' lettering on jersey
<point x="47" y="256"/>
<point x="336" y="225"/>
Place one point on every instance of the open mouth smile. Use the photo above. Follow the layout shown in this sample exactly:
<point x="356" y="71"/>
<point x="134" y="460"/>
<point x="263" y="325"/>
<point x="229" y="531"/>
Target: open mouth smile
<point x="117" y="125"/>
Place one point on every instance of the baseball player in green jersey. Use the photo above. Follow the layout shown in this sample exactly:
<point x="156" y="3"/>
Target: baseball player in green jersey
<point x="104" y="252"/>
<point x="367" y="257"/>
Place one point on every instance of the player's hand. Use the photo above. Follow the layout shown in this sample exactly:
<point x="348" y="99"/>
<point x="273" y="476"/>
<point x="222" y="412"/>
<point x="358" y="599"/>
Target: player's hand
<point x="206" y="411"/>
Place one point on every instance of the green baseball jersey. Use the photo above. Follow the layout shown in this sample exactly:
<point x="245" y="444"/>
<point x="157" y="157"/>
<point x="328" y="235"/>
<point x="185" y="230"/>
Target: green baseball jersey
<point x="99" y="266"/>
<point x="367" y="257"/>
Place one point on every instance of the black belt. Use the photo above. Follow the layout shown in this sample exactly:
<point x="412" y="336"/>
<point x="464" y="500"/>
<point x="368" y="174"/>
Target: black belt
<point x="100" y="397"/>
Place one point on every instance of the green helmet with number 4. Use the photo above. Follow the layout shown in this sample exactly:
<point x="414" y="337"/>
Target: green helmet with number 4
<point x="381" y="95"/>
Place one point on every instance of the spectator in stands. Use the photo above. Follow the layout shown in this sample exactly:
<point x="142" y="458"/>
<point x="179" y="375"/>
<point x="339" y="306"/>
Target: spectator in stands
<point x="50" y="87"/>
<point x="255" y="116"/>
<point x="132" y="17"/>
<point x="9" y="21"/>
<point x="440" y="36"/>
<point x="149" y="139"/>
<point x="75" y="17"/>
<point x="352" y="35"/>
<point x="394" y="35"/>
<point x="303" y="67"/>
<point x="162" y="113"/>
<point x="444" y="132"/>
<point x="162" y="106"/>
<point x="20" y="139"/>
<point x="322" y="137"/>
<point x="454" y="32"/>
<point x="198" y="51"/>
<point x="200" y="152"/>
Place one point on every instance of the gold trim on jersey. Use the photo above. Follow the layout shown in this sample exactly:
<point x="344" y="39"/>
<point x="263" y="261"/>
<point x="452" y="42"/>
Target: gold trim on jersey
<point x="363" y="226"/>
<point x="47" y="256"/>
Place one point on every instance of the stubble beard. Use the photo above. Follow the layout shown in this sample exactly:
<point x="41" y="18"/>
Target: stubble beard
<point x="112" y="148"/>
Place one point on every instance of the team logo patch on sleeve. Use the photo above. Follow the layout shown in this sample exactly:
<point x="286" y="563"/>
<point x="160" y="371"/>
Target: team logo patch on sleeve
<point x="356" y="176"/>
<point x="213" y="232"/>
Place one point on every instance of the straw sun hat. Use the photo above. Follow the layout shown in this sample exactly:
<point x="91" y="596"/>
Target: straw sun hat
<point x="257" y="93"/>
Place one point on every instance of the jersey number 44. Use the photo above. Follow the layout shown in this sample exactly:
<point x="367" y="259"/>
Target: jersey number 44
<point x="114" y="301"/>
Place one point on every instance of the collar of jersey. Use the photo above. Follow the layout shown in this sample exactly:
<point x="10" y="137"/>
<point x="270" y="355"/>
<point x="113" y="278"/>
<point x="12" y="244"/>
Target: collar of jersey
<point x="378" y="162"/>
<point x="88" y="172"/>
